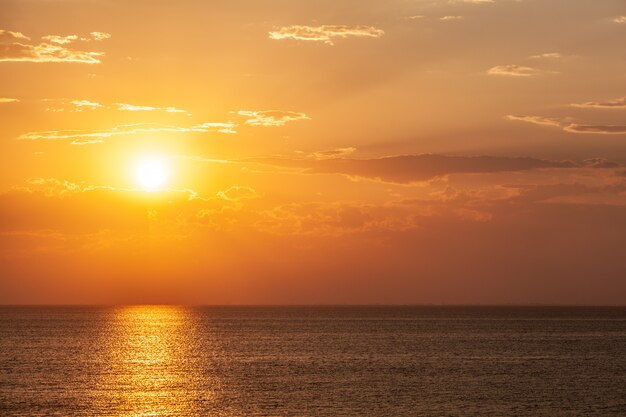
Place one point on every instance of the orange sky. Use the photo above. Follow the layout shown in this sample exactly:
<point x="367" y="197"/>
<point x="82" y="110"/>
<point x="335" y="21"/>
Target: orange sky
<point x="468" y="151"/>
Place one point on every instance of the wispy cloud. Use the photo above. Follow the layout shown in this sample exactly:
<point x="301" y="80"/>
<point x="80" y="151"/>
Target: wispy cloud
<point x="18" y="52"/>
<point x="237" y="193"/>
<point x="547" y="55"/>
<point x="75" y="106"/>
<point x="451" y="18"/>
<point x="334" y="153"/>
<point x="86" y="105"/>
<point x="512" y="71"/>
<point x="222" y="127"/>
<point x="86" y="141"/>
<point x="87" y="137"/>
<point x="100" y="36"/>
<point x="618" y="103"/>
<point x="324" y="33"/>
<point x="13" y="48"/>
<point x="132" y="107"/>
<point x="596" y="129"/>
<point x="271" y="117"/>
<point x="9" y="36"/>
<point x="197" y="158"/>
<point x="82" y="105"/>
<point x="620" y="19"/>
<point x="600" y="163"/>
<point x="572" y="127"/>
<point x="538" y="120"/>
<point x="8" y="100"/>
<point x="473" y="1"/>
<point x="413" y="168"/>
<point x="60" y="40"/>
<point x="84" y="137"/>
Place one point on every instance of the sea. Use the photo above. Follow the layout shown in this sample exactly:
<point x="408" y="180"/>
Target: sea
<point x="329" y="361"/>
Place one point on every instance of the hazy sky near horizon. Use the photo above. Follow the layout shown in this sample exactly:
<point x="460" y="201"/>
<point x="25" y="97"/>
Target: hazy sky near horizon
<point x="405" y="151"/>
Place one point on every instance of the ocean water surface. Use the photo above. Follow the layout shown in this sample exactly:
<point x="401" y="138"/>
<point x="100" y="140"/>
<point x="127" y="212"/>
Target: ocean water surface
<point x="312" y="361"/>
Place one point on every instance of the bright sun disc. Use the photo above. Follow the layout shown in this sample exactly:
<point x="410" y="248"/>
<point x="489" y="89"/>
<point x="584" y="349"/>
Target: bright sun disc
<point x="151" y="172"/>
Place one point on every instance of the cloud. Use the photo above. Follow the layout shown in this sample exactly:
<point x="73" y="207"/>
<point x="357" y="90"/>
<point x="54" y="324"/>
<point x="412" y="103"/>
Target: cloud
<point x="132" y="107"/>
<point x="8" y="100"/>
<point x="618" y="103"/>
<point x="197" y="158"/>
<point x="7" y="36"/>
<point x="538" y="120"/>
<point x="334" y="153"/>
<point x="596" y="129"/>
<point x="473" y="1"/>
<point x="83" y="137"/>
<point x="547" y="55"/>
<point x="237" y="193"/>
<point x="620" y="19"/>
<point x="335" y="219"/>
<point x="271" y="117"/>
<point x="86" y="141"/>
<point x="222" y="127"/>
<point x="63" y="40"/>
<point x="451" y="18"/>
<point x="325" y="33"/>
<point x="254" y="118"/>
<point x="86" y="105"/>
<point x="472" y="206"/>
<point x="77" y="106"/>
<point x="512" y="71"/>
<point x="60" y="40"/>
<point x="600" y="163"/>
<point x="12" y="49"/>
<point x="570" y="192"/>
<point x="54" y="204"/>
<point x="100" y="36"/>
<point x="573" y="127"/>
<point x="51" y="204"/>
<point x="338" y="240"/>
<point x="81" y="105"/>
<point x="414" y="168"/>
<point x="44" y="52"/>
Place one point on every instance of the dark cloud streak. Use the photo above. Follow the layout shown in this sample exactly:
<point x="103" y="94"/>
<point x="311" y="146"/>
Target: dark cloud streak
<point x="414" y="168"/>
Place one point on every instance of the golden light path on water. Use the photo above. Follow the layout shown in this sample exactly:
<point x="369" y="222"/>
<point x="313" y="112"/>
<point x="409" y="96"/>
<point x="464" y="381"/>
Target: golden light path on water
<point x="152" y="366"/>
<point x="311" y="361"/>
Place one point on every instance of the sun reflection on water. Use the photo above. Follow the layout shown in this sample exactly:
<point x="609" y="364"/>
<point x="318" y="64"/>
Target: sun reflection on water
<point x="151" y="364"/>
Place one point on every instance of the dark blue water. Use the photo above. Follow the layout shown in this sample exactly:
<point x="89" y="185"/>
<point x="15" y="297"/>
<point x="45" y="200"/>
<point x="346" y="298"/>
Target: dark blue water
<point x="313" y="361"/>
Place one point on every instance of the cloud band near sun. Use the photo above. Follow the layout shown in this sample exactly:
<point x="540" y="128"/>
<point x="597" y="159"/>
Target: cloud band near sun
<point x="601" y="129"/>
<point x="618" y="103"/>
<point x="86" y="137"/>
<point x="15" y="47"/>
<point x="325" y="33"/>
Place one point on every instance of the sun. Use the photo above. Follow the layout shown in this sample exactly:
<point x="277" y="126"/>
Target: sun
<point x="151" y="172"/>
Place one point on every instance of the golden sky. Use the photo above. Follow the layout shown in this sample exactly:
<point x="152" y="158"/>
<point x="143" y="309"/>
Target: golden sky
<point x="402" y="151"/>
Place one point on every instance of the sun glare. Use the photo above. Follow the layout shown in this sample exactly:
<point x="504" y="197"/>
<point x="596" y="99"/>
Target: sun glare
<point x="151" y="172"/>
